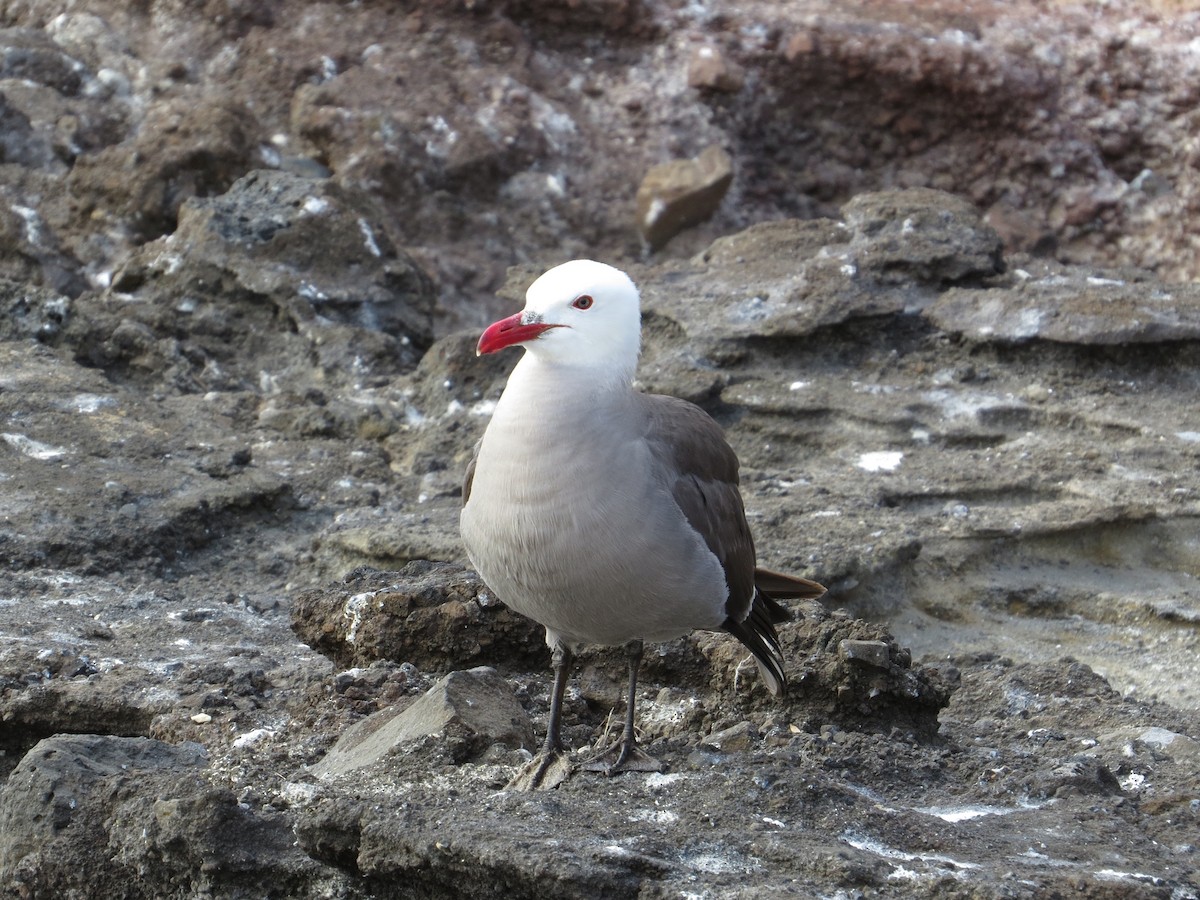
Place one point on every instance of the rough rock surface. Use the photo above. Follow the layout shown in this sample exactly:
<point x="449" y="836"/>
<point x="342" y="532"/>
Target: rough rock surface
<point x="473" y="710"/>
<point x="999" y="502"/>
<point x="433" y="615"/>
<point x="148" y="810"/>
<point x="237" y="242"/>
<point x="526" y="127"/>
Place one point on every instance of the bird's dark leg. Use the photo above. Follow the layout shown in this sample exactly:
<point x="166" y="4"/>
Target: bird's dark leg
<point x="626" y="755"/>
<point x="550" y="767"/>
<point x="560" y="660"/>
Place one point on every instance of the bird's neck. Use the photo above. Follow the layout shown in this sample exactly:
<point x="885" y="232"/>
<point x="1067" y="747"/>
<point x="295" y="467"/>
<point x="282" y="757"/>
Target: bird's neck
<point x="552" y="391"/>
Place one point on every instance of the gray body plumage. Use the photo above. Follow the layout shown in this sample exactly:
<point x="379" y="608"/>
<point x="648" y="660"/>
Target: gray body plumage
<point x="575" y="511"/>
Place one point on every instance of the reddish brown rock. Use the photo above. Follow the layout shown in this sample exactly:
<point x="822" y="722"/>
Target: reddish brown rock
<point x="799" y="44"/>
<point x="711" y="68"/>
<point x="430" y="614"/>
<point x="682" y="193"/>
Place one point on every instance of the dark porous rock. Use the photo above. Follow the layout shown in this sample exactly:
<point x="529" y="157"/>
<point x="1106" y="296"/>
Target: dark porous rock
<point x="31" y="252"/>
<point x="366" y="690"/>
<point x="28" y="54"/>
<point x="1079" y="774"/>
<point x="278" y="270"/>
<point x="83" y="777"/>
<point x="434" y="615"/>
<point x="27" y="311"/>
<point x="921" y="235"/>
<point x="146" y="807"/>
<point x="18" y="143"/>
<point x="44" y="693"/>
<point x="509" y="145"/>
<point x="435" y="142"/>
<point x="188" y="147"/>
<point x="313" y="244"/>
<point x="843" y="671"/>
<point x="615" y="16"/>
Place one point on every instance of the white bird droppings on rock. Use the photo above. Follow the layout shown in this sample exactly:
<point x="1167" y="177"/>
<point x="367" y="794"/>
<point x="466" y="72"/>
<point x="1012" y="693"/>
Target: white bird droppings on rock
<point x="315" y="206"/>
<point x="33" y="228"/>
<point x="33" y="449"/>
<point x="354" y="612"/>
<point x="90" y="403"/>
<point x="965" y="813"/>
<point x="880" y="461"/>
<point x="661" y="779"/>
<point x="252" y="737"/>
<point x="369" y="237"/>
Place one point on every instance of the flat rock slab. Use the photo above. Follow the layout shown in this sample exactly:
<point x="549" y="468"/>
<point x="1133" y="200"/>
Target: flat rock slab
<point x="53" y="794"/>
<point x="151" y="490"/>
<point x="147" y="808"/>
<point x="478" y="705"/>
<point x="1072" y="309"/>
<point x="894" y="252"/>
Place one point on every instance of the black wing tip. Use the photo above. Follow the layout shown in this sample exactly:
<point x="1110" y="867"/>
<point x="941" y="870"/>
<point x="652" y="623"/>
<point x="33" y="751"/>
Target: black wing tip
<point x="768" y="608"/>
<point x="757" y="633"/>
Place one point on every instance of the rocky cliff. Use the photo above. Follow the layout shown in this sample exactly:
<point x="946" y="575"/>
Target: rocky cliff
<point x="935" y="284"/>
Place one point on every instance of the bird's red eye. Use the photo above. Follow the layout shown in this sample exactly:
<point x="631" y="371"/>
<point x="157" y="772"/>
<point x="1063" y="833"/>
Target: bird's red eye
<point x="582" y="302"/>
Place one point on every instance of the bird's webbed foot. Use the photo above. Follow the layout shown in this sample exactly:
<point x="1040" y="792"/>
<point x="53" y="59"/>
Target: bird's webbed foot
<point x="544" y="772"/>
<point x="551" y="767"/>
<point x="623" y="756"/>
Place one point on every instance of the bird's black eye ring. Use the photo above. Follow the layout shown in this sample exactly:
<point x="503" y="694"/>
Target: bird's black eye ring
<point x="583" y="301"/>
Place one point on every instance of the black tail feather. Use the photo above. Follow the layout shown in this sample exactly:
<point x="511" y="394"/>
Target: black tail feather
<point x="758" y="634"/>
<point x="757" y="630"/>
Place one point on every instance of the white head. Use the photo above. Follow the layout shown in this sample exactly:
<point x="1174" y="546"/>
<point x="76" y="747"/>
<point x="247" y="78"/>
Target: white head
<point x="582" y="314"/>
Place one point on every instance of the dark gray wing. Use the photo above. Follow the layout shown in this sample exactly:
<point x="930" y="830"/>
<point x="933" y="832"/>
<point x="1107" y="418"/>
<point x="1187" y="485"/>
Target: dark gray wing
<point x="701" y="470"/>
<point x="702" y="473"/>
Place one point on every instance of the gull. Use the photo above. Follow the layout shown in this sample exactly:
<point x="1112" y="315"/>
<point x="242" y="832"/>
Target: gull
<point x="608" y="515"/>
